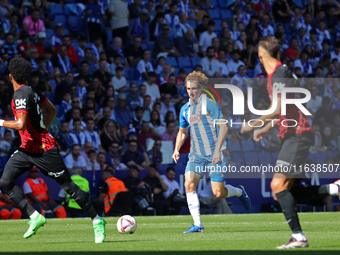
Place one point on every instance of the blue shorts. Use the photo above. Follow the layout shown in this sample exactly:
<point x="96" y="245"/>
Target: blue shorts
<point x="203" y="165"/>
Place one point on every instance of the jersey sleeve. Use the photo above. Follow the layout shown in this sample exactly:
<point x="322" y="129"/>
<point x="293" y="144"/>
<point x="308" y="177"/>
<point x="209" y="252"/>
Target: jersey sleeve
<point x="21" y="101"/>
<point x="183" y="122"/>
<point x="41" y="99"/>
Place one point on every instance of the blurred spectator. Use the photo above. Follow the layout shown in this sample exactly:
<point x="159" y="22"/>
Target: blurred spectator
<point x="132" y="98"/>
<point x="169" y="87"/>
<point x="202" y="27"/>
<point x="297" y="19"/>
<point x="234" y="63"/>
<point x="109" y="134"/>
<point x="92" y="163"/>
<point x="323" y="115"/>
<point x="75" y="159"/>
<point x="185" y="44"/>
<point x="155" y="182"/>
<point x="132" y="157"/>
<point x="110" y="102"/>
<point x="326" y="90"/>
<point x="206" y="37"/>
<point x="88" y="146"/>
<point x="303" y="38"/>
<point x="210" y="64"/>
<point x="142" y="93"/>
<point x="56" y="39"/>
<point x="247" y="14"/>
<point x="226" y="38"/>
<point x="118" y="166"/>
<point x="92" y="135"/>
<point x="172" y="19"/>
<point x="134" y="54"/>
<point x="7" y="210"/>
<point x="222" y="66"/>
<point x="304" y="64"/>
<point x="147" y="108"/>
<point x="36" y="192"/>
<point x="89" y="58"/>
<point x="164" y="45"/>
<point x="119" y="81"/>
<point x="144" y="66"/>
<point x="64" y="138"/>
<point x="134" y="9"/>
<point x="101" y="160"/>
<point x="116" y="49"/>
<point x="281" y="11"/>
<point x="144" y="134"/>
<point x="294" y="51"/>
<point x="335" y="105"/>
<point x="112" y="153"/>
<point x="208" y="198"/>
<point x="139" y="26"/>
<point x="102" y="73"/>
<point x="25" y="45"/>
<point x="136" y="123"/>
<point x="156" y="26"/>
<point x="151" y="88"/>
<point x="93" y="18"/>
<point x="315" y="102"/>
<point x="122" y="111"/>
<point x="317" y="137"/>
<point x="266" y="28"/>
<point x="155" y="155"/>
<point x="8" y="50"/>
<point x="170" y="133"/>
<point x="71" y="52"/>
<point x="62" y="61"/>
<point x="328" y="143"/>
<point x="167" y="107"/>
<point x="32" y="24"/>
<point x="10" y="26"/>
<point x="5" y="145"/>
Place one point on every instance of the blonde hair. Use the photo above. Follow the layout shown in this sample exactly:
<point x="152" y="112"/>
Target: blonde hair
<point x="198" y="77"/>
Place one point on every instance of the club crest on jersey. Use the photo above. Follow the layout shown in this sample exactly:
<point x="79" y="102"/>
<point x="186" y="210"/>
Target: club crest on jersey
<point x="20" y="103"/>
<point x="278" y="86"/>
<point x="194" y="119"/>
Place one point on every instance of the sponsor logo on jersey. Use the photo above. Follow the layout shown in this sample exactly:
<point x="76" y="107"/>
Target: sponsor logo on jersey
<point x="278" y="86"/>
<point x="194" y="119"/>
<point x="56" y="175"/>
<point x="20" y="103"/>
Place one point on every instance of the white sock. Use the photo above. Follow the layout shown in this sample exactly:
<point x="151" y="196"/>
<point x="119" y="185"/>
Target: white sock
<point x="35" y="214"/>
<point x="232" y="191"/>
<point x="194" y="208"/>
<point x="96" y="220"/>
<point x="333" y="189"/>
<point x="299" y="236"/>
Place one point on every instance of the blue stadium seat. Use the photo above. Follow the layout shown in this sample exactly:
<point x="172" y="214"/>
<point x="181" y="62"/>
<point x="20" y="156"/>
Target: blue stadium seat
<point x="60" y="18"/>
<point x="248" y="145"/>
<point x="226" y="14"/>
<point x="320" y="157"/>
<point x="251" y="73"/>
<point x="195" y="61"/>
<point x="172" y="61"/>
<point x="192" y="23"/>
<point x="188" y="69"/>
<point x="311" y="156"/>
<point x="184" y="62"/>
<point x="50" y="96"/>
<point x="234" y="146"/>
<point x="56" y="9"/>
<point x="49" y="33"/>
<point x="74" y="23"/>
<point x="218" y="23"/>
<point x="214" y="3"/>
<point x="214" y="14"/>
<point x="237" y="158"/>
<point x="299" y="3"/>
<point x="251" y="158"/>
<point x="265" y="157"/>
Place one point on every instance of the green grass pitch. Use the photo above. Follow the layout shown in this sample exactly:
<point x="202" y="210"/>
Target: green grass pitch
<point x="225" y="234"/>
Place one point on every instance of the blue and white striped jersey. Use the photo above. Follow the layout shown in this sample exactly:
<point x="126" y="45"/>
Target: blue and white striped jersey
<point x="203" y="133"/>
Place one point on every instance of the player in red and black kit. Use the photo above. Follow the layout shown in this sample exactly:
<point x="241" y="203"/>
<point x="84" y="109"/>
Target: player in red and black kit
<point x="38" y="148"/>
<point x="296" y="141"/>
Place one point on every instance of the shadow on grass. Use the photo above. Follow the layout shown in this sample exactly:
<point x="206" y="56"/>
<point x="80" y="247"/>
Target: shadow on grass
<point x="269" y="252"/>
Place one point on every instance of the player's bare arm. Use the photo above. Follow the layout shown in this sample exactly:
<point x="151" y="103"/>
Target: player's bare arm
<point x="262" y="132"/>
<point x="267" y="119"/>
<point x="222" y="135"/>
<point x="179" y="142"/>
<point x="18" y="124"/>
<point x="51" y="112"/>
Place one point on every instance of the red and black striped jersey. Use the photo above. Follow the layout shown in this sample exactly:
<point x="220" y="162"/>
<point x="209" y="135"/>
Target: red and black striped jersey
<point x="34" y="138"/>
<point x="283" y="77"/>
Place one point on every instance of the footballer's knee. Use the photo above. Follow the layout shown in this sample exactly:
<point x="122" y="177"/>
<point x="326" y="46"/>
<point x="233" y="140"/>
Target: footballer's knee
<point x="218" y="194"/>
<point x="6" y="185"/>
<point x="190" y="186"/>
<point x="277" y="185"/>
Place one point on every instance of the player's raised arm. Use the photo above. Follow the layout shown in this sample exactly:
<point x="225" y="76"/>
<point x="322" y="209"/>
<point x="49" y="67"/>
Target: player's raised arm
<point x="179" y="142"/>
<point x="51" y="112"/>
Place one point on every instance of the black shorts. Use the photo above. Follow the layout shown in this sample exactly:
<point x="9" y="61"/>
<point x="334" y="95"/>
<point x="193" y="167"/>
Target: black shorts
<point x="293" y="154"/>
<point x="50" y="163"/>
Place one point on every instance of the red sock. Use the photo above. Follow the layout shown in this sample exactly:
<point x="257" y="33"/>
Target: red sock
<point x="16" y="214"/>
<point x="5" y="214"/>
<point x="60" y="212"/>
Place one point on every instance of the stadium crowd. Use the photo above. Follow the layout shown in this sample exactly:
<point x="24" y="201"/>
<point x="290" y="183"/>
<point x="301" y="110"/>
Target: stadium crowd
<point x="115" y="69"/>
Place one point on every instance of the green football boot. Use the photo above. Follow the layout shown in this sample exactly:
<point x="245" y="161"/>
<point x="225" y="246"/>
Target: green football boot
<point x="99" y="231"/>
<point x="35" y="224"/>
